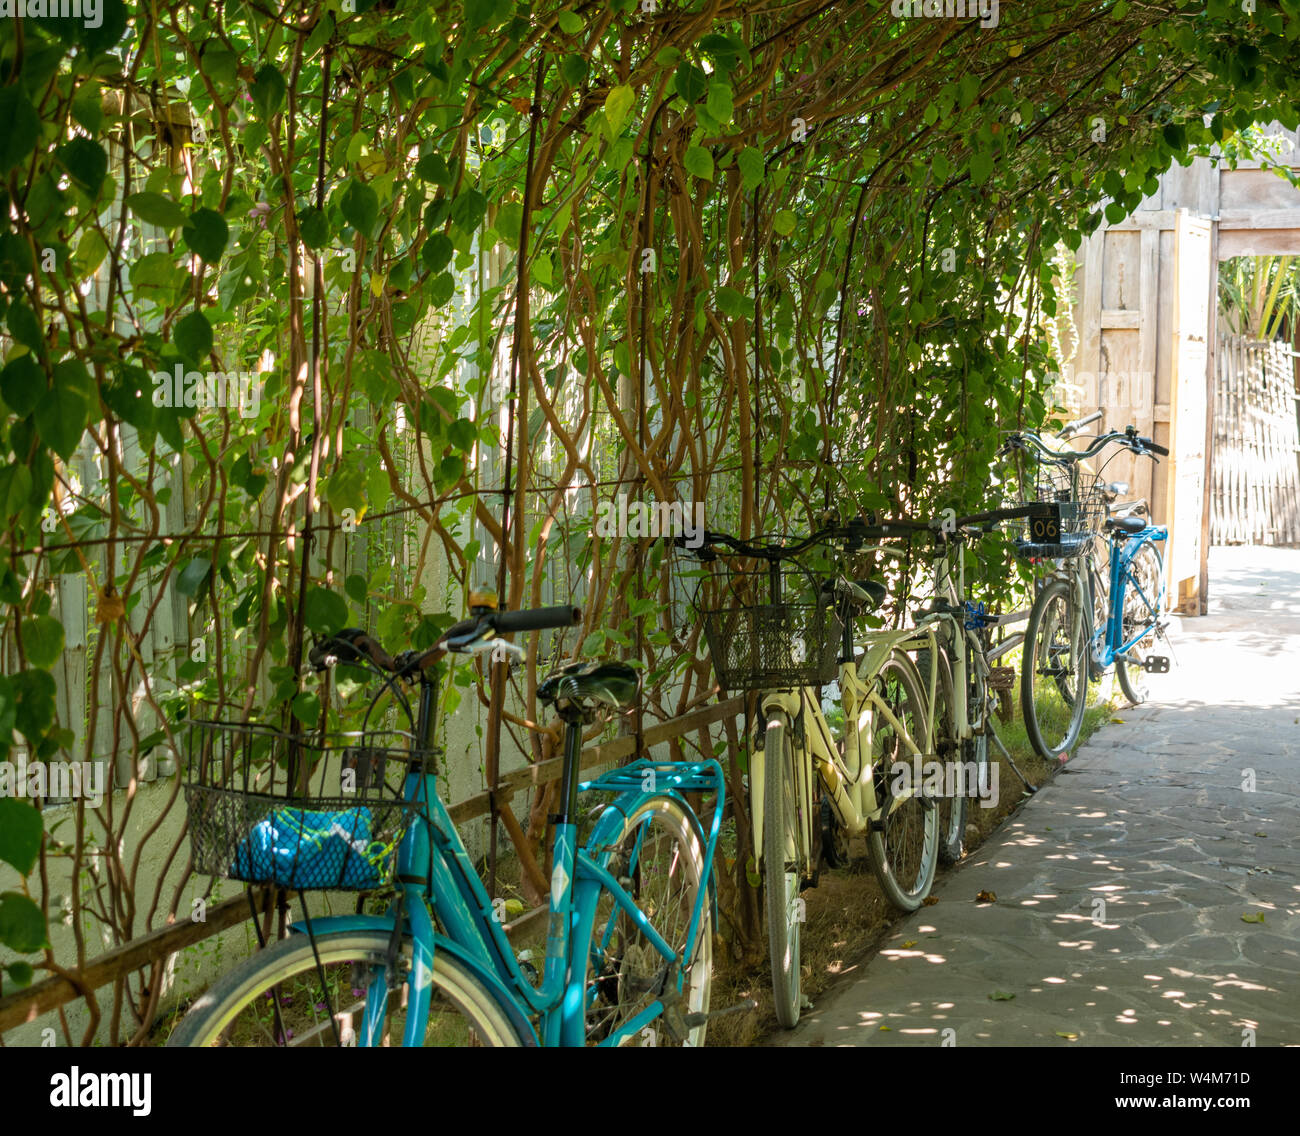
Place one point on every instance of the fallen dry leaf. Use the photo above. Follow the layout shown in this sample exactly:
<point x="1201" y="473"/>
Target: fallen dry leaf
<point x="1258" y="917"/>
<point x="909" y="944"/>
<point x="1001" y="996"/>
<point x="930" y="900"/>
<point x="1067" y="1036"/>
<point x="987" y="897"/>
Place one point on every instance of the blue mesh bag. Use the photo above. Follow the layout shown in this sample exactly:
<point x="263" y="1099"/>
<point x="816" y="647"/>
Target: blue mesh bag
<point x="298" y="848"/>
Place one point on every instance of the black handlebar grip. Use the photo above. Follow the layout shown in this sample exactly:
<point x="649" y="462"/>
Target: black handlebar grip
<point x="538" y="619"/>
<point x="348" y="646"/>
<point x="1154" y="447"/>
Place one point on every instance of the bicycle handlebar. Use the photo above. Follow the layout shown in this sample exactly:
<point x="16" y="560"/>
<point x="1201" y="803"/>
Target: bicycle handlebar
<point x="857" y="532"/>
<point x="1079" y="423"/>
<point x="354" y="645"/>
<point x="1128" y="437"/>
<point x="537" y="619"/>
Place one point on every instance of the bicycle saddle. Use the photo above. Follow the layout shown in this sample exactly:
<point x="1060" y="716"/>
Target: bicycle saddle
<point x="876" y="593"/>
<point x="1126" y="524"/>
<point x="591" y="684"/>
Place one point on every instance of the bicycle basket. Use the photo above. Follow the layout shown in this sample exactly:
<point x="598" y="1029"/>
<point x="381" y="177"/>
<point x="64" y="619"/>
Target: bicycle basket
<point x="270" y="807"/>
<point x="774" y="645"/>
<point x="1078" y="492"/>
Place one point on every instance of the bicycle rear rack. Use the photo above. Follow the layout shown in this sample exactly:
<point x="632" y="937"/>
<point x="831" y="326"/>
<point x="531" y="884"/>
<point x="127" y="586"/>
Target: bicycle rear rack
<point x="684" y="776"/>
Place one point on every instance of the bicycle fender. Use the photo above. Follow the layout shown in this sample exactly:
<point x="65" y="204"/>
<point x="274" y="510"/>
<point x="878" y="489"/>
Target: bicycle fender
<point x="499" y="991"/>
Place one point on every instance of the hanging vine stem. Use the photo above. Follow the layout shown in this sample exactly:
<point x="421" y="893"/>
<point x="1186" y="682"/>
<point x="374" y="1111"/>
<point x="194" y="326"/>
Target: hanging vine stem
<point x="500" y="667"/>
<point x="317" y="408"/>
<point x="643" y="364"/>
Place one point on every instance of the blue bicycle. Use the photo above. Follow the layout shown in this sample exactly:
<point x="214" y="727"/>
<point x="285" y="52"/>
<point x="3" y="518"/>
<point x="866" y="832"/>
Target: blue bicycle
<point x="628" y="957"/>
<point x="1103" y="603"/>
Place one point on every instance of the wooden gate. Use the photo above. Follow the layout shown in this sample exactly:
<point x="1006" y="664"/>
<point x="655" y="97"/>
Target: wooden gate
<point x="1256" y="490"/>
<point x="1144" y="318"/>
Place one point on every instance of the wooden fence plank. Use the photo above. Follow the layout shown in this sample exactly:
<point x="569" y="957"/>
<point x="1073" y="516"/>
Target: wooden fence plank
<point x="28" y="1005"/>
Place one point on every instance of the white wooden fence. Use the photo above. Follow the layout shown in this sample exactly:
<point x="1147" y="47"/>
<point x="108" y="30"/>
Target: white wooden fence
<point x="1256" y="481"/>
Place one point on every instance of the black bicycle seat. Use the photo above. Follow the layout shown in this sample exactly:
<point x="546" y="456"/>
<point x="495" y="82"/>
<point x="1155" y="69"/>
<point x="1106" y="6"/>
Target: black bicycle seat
<point x="876" y="590"/>
<point x="1126" y="524"/>
<point x="591" y="684"/>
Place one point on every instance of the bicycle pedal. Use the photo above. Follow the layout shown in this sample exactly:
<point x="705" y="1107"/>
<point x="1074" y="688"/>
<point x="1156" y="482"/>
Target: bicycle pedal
<point x="693" y="1021"/>
<point x="1156" y="664"/>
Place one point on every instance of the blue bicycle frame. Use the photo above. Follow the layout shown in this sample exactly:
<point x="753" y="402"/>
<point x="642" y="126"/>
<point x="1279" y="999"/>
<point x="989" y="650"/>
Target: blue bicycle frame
<point x="1108" y="640"/>
<point x="434" y="871"/>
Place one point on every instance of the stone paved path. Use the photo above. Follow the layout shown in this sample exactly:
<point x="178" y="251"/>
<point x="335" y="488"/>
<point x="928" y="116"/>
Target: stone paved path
<point x="1121" y="886"/>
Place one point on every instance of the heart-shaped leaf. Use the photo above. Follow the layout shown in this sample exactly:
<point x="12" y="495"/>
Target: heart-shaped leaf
<point x="325" y="612"/>
<point x="22" y="926"/>
<point x="193" y="337"/>
<point x="206" y="232"/>
<point x="360" y="205"/>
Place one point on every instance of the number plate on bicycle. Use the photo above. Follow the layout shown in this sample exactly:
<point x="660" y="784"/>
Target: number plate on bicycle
<point x="1046" y="528"/>
<point x="1156" y="664"/>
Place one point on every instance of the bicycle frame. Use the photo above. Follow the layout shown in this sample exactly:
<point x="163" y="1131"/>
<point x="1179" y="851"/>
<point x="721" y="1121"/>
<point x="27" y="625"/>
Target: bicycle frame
<point x="853" y="795"/>
<point x="957" y="632"/>
<point x="1108" y="640"/>
<point x="434" y="871"/>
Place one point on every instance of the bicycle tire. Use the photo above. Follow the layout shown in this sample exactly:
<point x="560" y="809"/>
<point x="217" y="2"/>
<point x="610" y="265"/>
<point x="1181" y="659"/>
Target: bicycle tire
<point x="623" y="971"/>
<point x="904" y="843"/>
<point x="1056" y="653"/>
<point x="782" y="870"/>
<point x="221" y="1016"/>
<point x="952" y="808"/>
<point x="1133" y="679"/>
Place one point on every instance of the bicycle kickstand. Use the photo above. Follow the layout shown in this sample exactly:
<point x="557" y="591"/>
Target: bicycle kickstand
<point x="1014" y="768"/>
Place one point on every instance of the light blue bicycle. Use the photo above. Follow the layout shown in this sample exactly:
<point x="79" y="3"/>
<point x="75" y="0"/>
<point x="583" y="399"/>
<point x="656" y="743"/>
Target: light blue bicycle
<point x="631" y="912"/>
<point x="1103" y="603"/>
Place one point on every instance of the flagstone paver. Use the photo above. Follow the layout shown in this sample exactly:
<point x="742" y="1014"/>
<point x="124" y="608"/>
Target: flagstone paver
<point x="1121" y="886"/>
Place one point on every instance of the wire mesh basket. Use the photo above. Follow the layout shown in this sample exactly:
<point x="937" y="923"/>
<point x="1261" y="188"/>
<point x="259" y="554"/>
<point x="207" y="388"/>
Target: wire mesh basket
<point x="774" y="645"/>
<point x="270" y="807"/>
<point x="1078" y="493"/>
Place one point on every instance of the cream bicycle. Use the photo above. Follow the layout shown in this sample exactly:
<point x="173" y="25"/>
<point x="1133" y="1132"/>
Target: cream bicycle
<point x="787" y="648"/>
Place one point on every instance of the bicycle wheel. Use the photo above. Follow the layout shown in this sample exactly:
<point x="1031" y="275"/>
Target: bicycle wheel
<point x="276" y="998"/>
<point x="782" y="869"/>
<point x="974" y="781"/>
<point x="904" y="838"/>
<point x="1098" y="565"/>
<point x="658" y="859"/>
<point x="947" y="746"/>
<point x="1140" y="610"/>
<point x="1055" y="661"/>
